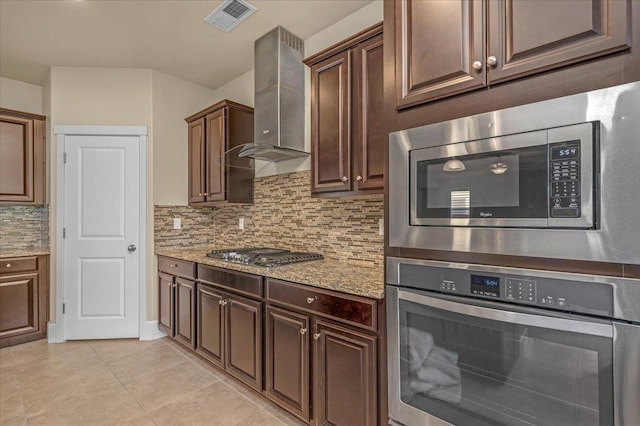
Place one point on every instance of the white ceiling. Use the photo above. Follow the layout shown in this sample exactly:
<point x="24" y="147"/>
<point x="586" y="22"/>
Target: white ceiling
<point x="167" y="35"/>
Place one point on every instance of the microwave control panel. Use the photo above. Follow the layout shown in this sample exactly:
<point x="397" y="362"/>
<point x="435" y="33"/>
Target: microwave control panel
<point x="564" y="179"/>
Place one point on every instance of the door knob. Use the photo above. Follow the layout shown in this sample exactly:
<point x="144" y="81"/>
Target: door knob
<point x="132" y="248"/>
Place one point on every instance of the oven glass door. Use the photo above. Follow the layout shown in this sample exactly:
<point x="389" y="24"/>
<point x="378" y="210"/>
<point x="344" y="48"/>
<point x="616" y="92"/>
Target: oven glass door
<point x="497" y="182"/>
<point x="473" y="365"/>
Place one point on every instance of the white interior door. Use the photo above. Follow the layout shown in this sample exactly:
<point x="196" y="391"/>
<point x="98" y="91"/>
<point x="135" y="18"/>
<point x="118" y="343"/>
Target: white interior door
<point x="101" y="221"/>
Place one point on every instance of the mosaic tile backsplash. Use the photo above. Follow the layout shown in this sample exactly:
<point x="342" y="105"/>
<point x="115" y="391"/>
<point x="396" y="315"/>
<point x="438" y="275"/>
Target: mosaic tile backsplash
<point x="283" y="215"/>
<point x="24" y="228"/>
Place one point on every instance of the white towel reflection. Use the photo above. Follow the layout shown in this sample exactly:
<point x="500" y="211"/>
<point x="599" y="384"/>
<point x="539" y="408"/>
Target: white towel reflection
<point x="433" y="370"/>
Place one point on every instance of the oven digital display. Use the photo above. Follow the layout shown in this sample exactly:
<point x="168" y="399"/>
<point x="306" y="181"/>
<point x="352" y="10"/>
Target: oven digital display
<point x="565" y="151"/>
<point x="485" y="285"/>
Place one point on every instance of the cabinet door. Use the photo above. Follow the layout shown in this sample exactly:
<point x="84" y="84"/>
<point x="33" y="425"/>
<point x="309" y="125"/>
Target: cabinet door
<point x="345" y="376"/>
<point x="19" y="308"/>
<point x="243" y="357"/>
<point x="330" y="124"/>
<point x="210" y="324"/>
<point x="166" y="303"/>
<point x="196" y="161"/>
<point x="287" y="360"/>
<point x="369" y="142"/>
<point x="532" y="36"/>
<point x="16" y="159"/>
<point x="185" y="301"/>
<point x="216" y="158"/>
<point x="437" y="43"/>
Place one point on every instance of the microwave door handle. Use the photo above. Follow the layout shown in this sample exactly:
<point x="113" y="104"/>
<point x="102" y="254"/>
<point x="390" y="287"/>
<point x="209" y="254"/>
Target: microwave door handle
<point x="542" y="321"/>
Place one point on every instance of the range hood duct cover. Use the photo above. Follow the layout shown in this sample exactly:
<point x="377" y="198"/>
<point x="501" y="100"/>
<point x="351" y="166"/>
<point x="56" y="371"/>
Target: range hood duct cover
<point x="279" y="98"/>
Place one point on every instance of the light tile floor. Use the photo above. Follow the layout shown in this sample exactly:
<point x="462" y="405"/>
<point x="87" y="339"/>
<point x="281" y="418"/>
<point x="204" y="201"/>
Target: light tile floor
<point x="123" y="382"/>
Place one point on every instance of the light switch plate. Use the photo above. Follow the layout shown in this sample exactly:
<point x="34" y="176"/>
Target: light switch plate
<point x="177" y="223"/>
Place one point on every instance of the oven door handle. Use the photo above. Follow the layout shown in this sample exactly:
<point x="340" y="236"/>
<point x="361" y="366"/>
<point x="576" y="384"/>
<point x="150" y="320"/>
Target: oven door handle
<point x="534" y="320"/>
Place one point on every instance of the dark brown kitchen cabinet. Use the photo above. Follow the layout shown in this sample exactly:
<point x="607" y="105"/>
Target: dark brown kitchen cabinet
<point x="345" y="376"/>
<point x="339" y="334"/>
<point x="22" y="158"/>
<point x="444" y="48"/>
<point x="24" y="299"/>
<point x="287" y="360"/>
<point x="217" y="176"/>
<point x="347" y="133"/>
<point x="230" y="324"/>
<point x="177" y="300"/>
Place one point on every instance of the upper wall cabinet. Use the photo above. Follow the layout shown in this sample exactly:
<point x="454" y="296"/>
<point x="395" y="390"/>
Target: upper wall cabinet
<point x="348" y="142"/>
<point x="449" y="47"/>
<point x="217" y="176"/>
<point x="22" y="158"/>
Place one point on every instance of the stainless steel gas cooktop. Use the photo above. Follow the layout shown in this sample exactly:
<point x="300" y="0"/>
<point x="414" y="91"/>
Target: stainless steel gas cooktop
<point x="263" y="256"/>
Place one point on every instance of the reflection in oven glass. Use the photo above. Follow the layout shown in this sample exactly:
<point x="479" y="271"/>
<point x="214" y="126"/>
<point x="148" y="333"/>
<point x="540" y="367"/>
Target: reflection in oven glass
<point x="496" y="373"/>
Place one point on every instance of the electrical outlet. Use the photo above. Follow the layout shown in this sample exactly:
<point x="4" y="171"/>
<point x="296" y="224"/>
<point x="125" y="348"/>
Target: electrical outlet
<point x="177" y="223"/>
<point x="381" y="227"/>
<point x="241" y="223"/>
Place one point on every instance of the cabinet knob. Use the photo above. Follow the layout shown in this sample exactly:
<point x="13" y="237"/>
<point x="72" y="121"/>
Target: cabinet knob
<point x="8" y="265"/>
<point x="303" y="331"/>
<point x="205" y="194"/>
<point x="222" y="302"/>
<point x="199" y="194"/>
<point x="344" y="178"/>
<point x="173" y="265"/>
<point x="169" y="284"/>
<point x="316" y="336"/>
<point x="477" y="65"/>
<point x="492" y="61"/>
<point x="310" y="300"/>
<point x="359" y="178"/>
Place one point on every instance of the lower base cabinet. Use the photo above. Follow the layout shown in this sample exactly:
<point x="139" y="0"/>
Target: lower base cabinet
<point x="24" y="299"/>
<point x="313" y="352"/>
<point x="319" y="364"/>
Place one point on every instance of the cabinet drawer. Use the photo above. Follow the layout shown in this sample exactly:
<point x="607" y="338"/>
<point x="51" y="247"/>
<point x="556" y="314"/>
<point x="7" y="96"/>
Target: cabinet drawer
<point x="18" y="264"/>
<point x="346" y="308"/>
<point x="247" y="284"/>
<point x="177" y="267"/>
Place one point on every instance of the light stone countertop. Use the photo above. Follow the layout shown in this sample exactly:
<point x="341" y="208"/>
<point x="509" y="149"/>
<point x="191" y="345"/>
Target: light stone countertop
<point x="23" y="252"/>
<point x="346" y="277"/>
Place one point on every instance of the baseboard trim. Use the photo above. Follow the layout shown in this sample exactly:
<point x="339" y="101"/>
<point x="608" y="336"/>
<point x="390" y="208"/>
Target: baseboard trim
<point x="150" y="331"/>
<point x="52" y="333"/>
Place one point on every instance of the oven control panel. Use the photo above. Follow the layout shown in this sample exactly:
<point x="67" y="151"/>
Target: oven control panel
<point x="541" y="291"/>
<point x="564" y="182"/>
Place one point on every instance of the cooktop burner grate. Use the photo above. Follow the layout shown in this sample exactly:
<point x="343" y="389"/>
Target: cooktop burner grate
<point x="263" y="256"/>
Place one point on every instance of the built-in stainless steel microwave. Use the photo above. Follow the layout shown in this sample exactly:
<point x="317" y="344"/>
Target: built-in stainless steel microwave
<point x="538" y="179"/>
<point x="558" y="178"/>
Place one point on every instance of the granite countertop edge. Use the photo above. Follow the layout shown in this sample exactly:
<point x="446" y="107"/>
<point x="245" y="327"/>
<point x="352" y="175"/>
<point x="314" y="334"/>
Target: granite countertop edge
<point x="23" y="253"/>
<point x="345" y="277"/>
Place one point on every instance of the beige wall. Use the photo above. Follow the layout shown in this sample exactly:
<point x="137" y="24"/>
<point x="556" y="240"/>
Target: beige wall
<point x="241" y="89"/>
<point x="173" y="100"/>
<point x="20" y="96"/>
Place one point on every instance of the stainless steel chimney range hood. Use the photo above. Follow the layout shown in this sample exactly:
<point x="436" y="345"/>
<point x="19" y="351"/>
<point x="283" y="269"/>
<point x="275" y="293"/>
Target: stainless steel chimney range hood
<point x="279" y="98"/>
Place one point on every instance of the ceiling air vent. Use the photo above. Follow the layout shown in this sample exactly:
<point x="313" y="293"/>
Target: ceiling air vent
<point x="229" y="14"/>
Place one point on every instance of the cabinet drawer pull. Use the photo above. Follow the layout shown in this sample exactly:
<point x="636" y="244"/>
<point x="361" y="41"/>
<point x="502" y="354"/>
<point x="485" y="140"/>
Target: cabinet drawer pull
<point x="303" y="331"/>
<point x="316" y="336"/>
<point x="310" y="300"/>
<point x="8" y="265"/>
<point x="173" y="265"/>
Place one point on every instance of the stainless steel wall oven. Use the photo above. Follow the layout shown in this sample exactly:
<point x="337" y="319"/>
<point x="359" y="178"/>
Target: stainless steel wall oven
<point x="555" y="179"/>
<point x="475" y="345"/>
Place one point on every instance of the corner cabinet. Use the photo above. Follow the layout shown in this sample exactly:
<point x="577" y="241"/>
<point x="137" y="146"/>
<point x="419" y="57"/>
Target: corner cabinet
<point x="348" y="142"/>
<point x="24" y="299"/>
<point x="217" y="176"/>
<point x="446" y="48"/>
<point x="22" y="158"/>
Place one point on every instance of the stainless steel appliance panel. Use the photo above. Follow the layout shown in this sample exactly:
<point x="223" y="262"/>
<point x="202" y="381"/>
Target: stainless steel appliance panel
<point x="617" y="239"/>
